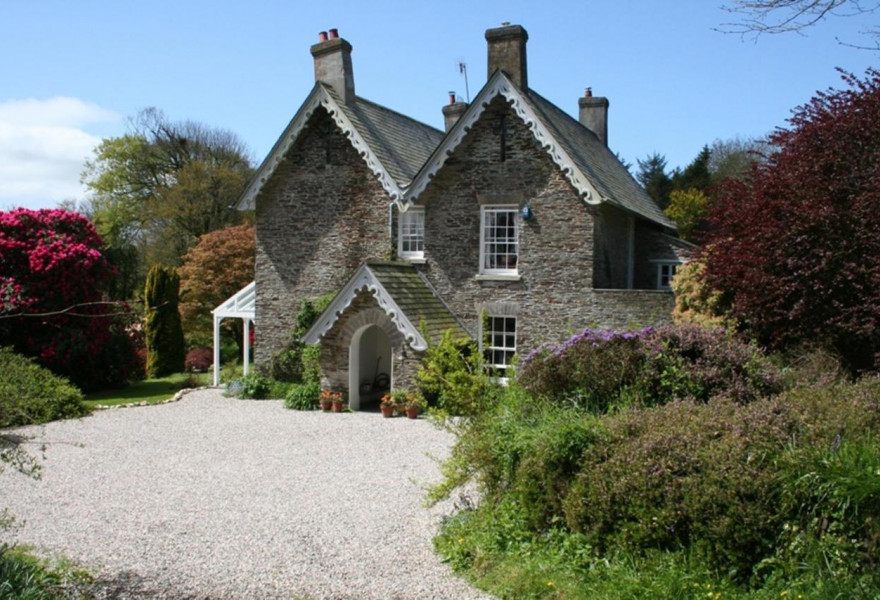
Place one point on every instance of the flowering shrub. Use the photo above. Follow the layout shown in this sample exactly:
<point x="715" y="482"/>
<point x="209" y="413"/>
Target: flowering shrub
<point x="51" y="289"/>
<point x="199" y="360"/>
<point x="596" y="369"/>
<point x="330" y="396"/>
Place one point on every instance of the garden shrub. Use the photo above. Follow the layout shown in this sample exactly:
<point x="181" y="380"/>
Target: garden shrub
<point x="31" y="394"/>
<point x="255" y="387"/>
<point x="451" y="378"/>
<point x="596" y="370"/>
<point x="162" y="326"/>
<point x="199" y="360"/>
<point x="303" y="396"/>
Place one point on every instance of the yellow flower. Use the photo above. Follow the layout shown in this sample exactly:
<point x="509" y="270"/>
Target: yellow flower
<point x="783" y="593"/>
<point x="549" y="584"/>
<point x="461" y="540"/>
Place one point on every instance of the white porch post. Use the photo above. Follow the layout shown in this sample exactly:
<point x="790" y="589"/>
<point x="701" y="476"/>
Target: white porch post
<point x="216" y="350"/>
<point x="247" y="344"/>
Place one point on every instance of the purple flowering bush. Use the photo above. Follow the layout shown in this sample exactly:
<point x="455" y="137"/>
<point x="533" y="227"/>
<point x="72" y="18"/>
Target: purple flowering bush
<point x="596" y="369"/>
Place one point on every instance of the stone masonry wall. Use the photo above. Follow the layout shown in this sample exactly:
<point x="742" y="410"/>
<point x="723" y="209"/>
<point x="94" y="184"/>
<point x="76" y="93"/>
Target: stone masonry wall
<point x="318" y="218"/>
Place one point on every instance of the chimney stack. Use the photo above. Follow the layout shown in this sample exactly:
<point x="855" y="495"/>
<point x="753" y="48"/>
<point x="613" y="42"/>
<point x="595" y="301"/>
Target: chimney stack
<point x="332" y="56"/>
<point x="593" y="114"/>
<point x="452" y="112"/>
<point x="507" y="51"/>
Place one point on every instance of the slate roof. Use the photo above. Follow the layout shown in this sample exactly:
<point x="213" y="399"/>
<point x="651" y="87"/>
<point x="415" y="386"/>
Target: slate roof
<point x="403" y="293"/>
<point x="416" y="298"/>
<point x="598" y="163"/>
<point x="400" y="143"/>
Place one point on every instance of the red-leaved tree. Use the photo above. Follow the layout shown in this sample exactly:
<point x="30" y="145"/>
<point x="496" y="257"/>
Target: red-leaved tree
<point x="797" y="249"/>
<point x="52" y="281"/>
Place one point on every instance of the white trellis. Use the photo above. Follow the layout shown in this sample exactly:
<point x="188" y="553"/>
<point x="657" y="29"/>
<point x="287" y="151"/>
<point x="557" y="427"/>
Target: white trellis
<point x="238" y="306"/>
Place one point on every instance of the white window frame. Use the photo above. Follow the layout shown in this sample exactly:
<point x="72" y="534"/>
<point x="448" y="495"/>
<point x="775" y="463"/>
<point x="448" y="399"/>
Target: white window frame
<point x="490" y="347"/>
<point x="416" y="213"/>
<point x="485" y="211"/>
<point x="670" y="266"/>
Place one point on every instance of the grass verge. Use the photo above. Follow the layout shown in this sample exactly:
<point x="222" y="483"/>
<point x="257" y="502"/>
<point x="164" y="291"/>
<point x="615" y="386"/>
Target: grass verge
<point x="151" y="391"/>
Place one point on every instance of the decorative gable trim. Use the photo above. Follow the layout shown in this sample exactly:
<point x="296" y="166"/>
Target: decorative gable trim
<point x="365" y="280"/>
<point x="319" y="97"/>
<point x="499" y="84"/>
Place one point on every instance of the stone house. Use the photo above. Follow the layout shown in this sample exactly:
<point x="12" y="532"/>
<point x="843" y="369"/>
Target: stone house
<point x="517" y="218"/>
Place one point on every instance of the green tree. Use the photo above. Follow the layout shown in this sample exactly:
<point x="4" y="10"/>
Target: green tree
<point x="696" y="175"/>
<point x="155" y="190"/>
<point x="734" y="158"/>
<point x="654" y="178"/>
<point x="688" y="209"/>
<point x="162" y="327"/>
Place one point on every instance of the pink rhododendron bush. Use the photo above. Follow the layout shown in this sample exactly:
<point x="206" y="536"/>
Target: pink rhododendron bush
<point x="53" y="278"/>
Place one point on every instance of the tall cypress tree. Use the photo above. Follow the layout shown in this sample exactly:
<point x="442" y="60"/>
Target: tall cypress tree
<point x="162" y="327"/>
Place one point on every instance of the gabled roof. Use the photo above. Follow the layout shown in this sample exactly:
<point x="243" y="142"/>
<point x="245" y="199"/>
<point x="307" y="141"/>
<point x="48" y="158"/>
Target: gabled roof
<point x="592" y="169"/>
<point x="405" y="296"/>
<point x="393" y="146"/>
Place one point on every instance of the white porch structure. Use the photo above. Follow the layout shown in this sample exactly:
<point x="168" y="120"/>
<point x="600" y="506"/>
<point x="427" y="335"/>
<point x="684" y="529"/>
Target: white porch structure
<point x="238" y="306"/>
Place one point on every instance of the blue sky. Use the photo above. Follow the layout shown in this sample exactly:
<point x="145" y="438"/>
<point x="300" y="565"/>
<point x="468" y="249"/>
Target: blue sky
<point x="73" y="72"/>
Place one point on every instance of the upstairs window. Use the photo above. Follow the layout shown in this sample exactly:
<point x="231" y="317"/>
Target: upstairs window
<point x="411" y="233"/>
<point x="499" y="240"/>
<point x="665" y="273"/>
<point x="499" y="344"/>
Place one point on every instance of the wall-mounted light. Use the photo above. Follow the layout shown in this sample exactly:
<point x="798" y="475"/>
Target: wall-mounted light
<point x="526" y="213"/>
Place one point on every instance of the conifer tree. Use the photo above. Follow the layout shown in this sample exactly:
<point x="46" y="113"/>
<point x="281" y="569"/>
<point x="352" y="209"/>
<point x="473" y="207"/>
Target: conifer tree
<point x="162" y="327"/>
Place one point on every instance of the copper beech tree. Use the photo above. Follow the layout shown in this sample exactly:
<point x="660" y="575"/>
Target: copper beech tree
<point x="220" y="264"/>
<point x="796" y="247"/>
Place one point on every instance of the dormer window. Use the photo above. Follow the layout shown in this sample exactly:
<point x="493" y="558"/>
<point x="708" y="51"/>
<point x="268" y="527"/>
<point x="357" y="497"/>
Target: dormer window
<point x="499" y="240"/>
<point x="411" y="233"/>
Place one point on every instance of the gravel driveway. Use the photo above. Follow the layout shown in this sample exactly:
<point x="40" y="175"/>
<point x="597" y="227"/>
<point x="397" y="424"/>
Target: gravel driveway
<point x="211" y="497"/>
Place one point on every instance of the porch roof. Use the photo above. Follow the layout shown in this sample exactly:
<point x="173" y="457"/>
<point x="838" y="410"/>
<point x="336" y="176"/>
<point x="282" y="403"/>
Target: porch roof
<point x="405" y="296"/>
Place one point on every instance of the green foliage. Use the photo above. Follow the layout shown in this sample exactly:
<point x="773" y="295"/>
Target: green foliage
<point x="166" y="350"/>
<point x="653" y="177"/>
<point x="696" y="175"/>
<point x="252" y="386"/>
<point x="303" y="396"/>
<point x="156" y="189"/>
<point x="451" y="377"/>
<point x="31" y="394"/>
<point x="688" y="209"/>
<point x="297" y="362"/>
<point x="25" y="577"/>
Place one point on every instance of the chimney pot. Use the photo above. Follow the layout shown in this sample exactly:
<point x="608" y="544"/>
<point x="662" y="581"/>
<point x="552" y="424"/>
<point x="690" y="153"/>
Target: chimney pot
<point x="452" y="112"/>
<point x="334" y="34"/>
<point x="588" y="93"/>
<point x="322" y="37"/>
<point x="507" y="51"/>
<point x="451" y="97"/>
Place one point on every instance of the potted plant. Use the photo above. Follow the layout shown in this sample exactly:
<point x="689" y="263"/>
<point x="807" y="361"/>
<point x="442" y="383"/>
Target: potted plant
<point x="414" y="405"/>
<point x="387" y="406"/>
<point x="331" y="400"/>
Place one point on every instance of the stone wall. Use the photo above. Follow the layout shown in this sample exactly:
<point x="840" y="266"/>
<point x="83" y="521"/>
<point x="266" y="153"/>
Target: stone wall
<point x="318" y="218"/>
<point x="555" y="294"/>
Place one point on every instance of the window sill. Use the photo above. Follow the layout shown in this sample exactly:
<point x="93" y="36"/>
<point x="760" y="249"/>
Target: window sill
<point x="497" y="277"/>
<point x="413" y="260"/>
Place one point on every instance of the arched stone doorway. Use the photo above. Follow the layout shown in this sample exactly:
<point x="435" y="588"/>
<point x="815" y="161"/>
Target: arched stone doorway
<point x="369" y="365"/>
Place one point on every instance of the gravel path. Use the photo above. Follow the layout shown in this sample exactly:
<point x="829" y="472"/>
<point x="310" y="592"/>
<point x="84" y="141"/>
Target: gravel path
<point x="211" y="497"/>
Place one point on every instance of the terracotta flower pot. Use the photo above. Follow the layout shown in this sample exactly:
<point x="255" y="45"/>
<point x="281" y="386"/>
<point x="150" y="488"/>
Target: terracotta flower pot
<point x="387" y="410"/>
<point x="337" y="406"/>
<point x="326" y="405"/>
<point x="412" y="412"/>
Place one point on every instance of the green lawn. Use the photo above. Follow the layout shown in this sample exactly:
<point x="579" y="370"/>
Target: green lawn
<point x="149" y="390"/>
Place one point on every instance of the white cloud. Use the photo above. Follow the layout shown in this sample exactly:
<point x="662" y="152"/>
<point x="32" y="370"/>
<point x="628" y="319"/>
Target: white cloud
<point x="43" y="146"/>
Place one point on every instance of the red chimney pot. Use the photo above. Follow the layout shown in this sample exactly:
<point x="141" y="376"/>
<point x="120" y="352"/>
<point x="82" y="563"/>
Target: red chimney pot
<point x="588" y="93"/>
<point x="322" y="37"/>
<point x="452" y="97"/>
<point x="334" y="33"/>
